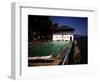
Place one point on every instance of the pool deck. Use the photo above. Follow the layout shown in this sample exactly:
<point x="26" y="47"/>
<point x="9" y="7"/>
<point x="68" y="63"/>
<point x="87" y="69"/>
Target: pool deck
<point x="45" y="62"/>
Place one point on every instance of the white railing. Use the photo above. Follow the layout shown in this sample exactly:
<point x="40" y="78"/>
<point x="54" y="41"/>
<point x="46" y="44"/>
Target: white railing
<point x="65" y="58"/>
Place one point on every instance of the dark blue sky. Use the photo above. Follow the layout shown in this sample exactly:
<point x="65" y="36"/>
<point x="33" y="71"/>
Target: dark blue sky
<point x="79" y="23"/>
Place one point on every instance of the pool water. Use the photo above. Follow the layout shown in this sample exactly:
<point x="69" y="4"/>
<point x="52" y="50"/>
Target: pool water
<point x="45" y="49"/>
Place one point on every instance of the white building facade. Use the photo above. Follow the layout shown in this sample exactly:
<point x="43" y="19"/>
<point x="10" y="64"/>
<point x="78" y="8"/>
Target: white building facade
<point x="63" y="36"/>
<point x="63" y="33"/>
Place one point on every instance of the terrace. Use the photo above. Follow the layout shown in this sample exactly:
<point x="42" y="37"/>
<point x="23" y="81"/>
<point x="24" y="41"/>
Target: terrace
<point x="48" y="43"/>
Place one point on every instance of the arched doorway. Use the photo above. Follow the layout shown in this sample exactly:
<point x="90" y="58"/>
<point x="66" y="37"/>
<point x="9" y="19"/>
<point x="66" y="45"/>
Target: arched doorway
<point x="70" y="38"/>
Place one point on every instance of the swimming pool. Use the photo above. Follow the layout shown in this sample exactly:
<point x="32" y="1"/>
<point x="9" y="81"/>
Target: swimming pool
<point x="45" y="49"/>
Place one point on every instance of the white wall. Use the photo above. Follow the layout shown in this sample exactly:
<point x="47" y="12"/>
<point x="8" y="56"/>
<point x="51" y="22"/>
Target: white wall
<point x="57" y="37"/>
<point x="62" y="37"/>
<point x="67" y="37"/>
<point x="5" y="40"/>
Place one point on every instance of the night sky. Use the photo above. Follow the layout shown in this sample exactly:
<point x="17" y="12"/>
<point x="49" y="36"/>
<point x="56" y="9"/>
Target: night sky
<point x="80" y="24"/>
